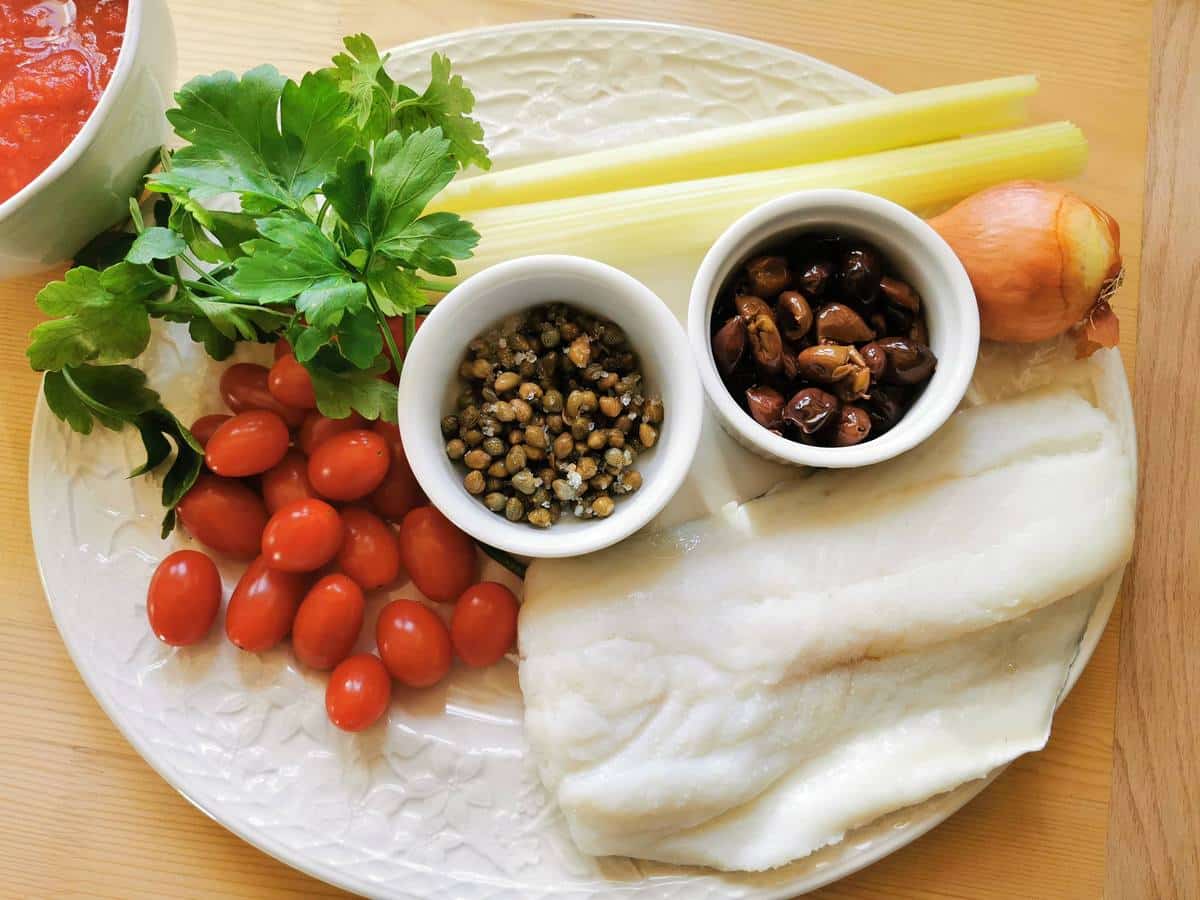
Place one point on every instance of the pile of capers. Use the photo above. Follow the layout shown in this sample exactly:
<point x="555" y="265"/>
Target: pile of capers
<point x="820" y="341"/>
<point x="552" y="417"/>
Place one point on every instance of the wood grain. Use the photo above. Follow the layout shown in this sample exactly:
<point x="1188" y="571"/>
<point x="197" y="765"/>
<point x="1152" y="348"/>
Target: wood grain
<point x="82" y="815"/>
<point x="1154" y="831"/>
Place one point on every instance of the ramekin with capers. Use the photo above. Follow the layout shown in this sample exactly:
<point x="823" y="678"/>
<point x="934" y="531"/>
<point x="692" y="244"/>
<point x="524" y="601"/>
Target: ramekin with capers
<point x="552" y="416"/>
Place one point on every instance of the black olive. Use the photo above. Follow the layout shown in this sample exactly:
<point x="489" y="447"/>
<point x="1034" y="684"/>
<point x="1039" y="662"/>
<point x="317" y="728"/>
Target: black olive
<point x="860" y="274"/>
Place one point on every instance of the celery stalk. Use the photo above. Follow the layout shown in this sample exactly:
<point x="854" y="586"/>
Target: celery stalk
<point x="621" y="226"/>
<point x="833" y="132"/>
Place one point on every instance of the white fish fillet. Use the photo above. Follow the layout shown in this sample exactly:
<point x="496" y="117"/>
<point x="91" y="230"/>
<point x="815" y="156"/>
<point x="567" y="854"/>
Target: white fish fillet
<point x="716" y="693"/>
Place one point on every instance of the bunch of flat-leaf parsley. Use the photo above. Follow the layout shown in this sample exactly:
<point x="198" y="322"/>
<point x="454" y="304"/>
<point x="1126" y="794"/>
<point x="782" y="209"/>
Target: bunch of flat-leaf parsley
<point x="326" y="241"/>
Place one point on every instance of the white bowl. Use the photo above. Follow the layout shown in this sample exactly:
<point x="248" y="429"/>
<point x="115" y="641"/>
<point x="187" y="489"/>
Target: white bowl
<point x="87" y="187"/>
<point x="922" y="258"/>
<point x="430" y="383"/>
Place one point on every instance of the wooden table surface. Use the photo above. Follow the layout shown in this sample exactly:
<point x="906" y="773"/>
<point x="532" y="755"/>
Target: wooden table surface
<point x="81" y="814"/>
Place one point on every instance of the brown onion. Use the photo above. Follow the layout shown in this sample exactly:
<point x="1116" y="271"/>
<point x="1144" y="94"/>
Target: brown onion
<point x="1040" y="259"/>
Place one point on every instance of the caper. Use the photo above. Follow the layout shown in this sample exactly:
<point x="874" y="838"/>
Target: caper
<point x="474" y="482"/>
<point x="547" y="366"/>
<point x="614" y="458"/>
<point x="556" y="424"/>
<point x="514" y="460"/>
<point x="528" y="391"/>
<point x="601" y="482"/>
<point x="610" y="406"/>
<point x="522" y="411"/>
<point x="497" y="469"/>
<point x="653" y="411"/>
<point x="630" y="480"/>
<point x="456" y="448"/>
<point x="524" y="481"/>
<point x="626" y="422"/>
<point x="488" y="395"/>
<point x="568" y="330"/>
<point x="477" y="459"/>
<point x="449" y="426"/>
<point x="550" y="338"/>
<point x="495" y="484"/>
<point x="535" y="454"/>
<point x="495" y="501"/>
<point x="580" y="428"/>
<point x="616" y="437"/>
<point x="564" y="445"/>
<point x="535" y="436"/>
<point x="612" y="336"/>
<point x="607" y="381"/>
<point x="503" y="410"/>
<point x="516" y="436"/>
<point x="587" y="467"/>
<point x="493" y="446"/>
<point x="469" y="417"/>
<point x="514" y="509"/>
<point x="473" y="437"/>
<point x="647" y="435"/>
<point x="540" y="518"/>
<point x="563" y="489"/>
<point x="479" y="369"/>
<point x="603" y="507"/>
<point x="552" y="401"/>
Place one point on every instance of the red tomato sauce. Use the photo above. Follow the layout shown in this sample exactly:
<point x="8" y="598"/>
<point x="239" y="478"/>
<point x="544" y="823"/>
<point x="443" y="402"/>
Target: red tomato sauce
<point x="56" y="57"/>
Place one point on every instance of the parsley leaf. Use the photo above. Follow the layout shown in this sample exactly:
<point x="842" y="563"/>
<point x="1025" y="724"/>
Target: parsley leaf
<point x="269" y="140"/>
<point x="364" y="392"/>
<point x="379" y="105"/>
<point x="94" y="325"/>
<point x="446" y="103"/>
<point x="292" y="256"/>
<point x="156" y="243"/>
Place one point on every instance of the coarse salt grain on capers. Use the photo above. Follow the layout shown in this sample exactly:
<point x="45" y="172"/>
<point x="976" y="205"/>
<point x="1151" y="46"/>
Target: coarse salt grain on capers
<point x="552" y="418"/>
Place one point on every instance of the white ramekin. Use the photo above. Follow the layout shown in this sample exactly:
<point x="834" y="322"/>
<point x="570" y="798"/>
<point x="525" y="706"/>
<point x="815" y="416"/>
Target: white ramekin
<point x="430" y="383"/>
<point x="87" y="187"/>
<point x="921" y="257"/>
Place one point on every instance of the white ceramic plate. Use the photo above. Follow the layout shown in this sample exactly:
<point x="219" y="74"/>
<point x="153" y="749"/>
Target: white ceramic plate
<point x="442" y="801"/>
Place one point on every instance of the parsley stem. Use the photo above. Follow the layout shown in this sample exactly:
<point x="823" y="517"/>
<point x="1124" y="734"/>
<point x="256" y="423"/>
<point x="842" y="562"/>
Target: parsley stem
<point x="321" y="212"/>
<point x="505" y="559"/>
<point x="397" y="359"/>
<point x="410" y="328"/>
<point x="438" y="287"/>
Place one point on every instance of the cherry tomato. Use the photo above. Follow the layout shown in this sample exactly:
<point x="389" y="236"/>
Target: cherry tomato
<point x="350" y="465"/>
<point x="483" y="625"/>
<point x="244" y="387"/>
<point x="328" y="623"/>
<point x="286" y="482"/>
<point x="302" y="536"/>
<point x="358" y="692"/>
<point x="283" y="348"/>
<point x="263" y="606"/>
<point x="399" y="491"/>
<point x="318" y="428"/>
<point x="438" y="557"/>
<point x="249" y="443"/>
<point x="413" y="643"/>
<point x="202" y="429"/>
<point x="183" y="598"/>
<point x="224" y="515"/>
<point x="290" y="383"/>
<point x="369" y="554"/>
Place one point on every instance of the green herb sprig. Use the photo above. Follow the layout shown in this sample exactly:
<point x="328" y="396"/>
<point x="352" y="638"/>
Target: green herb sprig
<point x="327" y="240"/>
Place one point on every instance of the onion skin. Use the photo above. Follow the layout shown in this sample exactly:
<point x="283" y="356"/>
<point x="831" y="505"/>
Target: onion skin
<point x="1040" y="258"/>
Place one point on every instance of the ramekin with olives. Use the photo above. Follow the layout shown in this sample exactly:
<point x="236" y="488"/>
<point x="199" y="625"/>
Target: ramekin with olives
<point x="832" y="328"/>
<point x="820" y="340"/>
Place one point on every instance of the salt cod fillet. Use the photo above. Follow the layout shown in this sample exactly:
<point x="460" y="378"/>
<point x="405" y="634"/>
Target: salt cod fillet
<point x="740" y="691"/>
